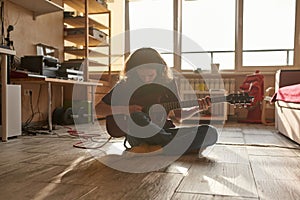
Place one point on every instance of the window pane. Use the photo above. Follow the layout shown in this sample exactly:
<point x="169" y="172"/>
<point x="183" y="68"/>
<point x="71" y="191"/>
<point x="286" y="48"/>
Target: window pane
<point x="227" y="59"/>
<point x="268" y="25"/>
<point x="210" y="24"/>
<point x="151" y="25"/>
<point x="195" y="60"/>
<point x="271" y="58"/>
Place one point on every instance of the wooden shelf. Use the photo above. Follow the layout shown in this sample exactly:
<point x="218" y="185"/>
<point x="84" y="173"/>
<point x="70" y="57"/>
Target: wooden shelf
<point x="98" y="36"/>
<point x="80" y="40"/>
<point x="81" y="52"/>
<point x="39" y="7"/>
<point x="79" y="21"/>
<point x="80" y="62"/>
<point x="94" y="6"/>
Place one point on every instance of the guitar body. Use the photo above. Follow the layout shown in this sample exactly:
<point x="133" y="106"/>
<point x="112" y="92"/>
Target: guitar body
<point x="117" y="125"/>
<point x="145" y="96"/>
<point x="115" y="129"/>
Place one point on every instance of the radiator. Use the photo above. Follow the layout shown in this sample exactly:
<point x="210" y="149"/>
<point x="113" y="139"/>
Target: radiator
<point x="212" y="86"/>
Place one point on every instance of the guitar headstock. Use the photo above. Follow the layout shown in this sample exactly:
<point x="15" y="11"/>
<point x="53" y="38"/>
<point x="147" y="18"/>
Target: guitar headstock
<point x="242" y="98"/>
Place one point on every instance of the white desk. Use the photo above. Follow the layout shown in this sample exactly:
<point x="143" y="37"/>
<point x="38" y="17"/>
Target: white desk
<point x="60" y="82"/>
<point x="4" y="67"/>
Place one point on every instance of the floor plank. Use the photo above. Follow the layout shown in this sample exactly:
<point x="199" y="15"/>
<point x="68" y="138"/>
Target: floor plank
<point x="232" y="133"/>
<point x="40" y="190"/>
<point x="188" y="196"/>
<point x="266" y="140"/>
<point x="287" y="142"/>
<point x="230" y="140"/>
<point x="219" y="179"/>
<point x="229" y="154"/>
<point x="136" y="186"/>
<point x="271" y="151"/>
<point x="275" y="168"/>
<point x="155" y="186"/>
<point x="183" y="164"/>
<point x="284" y="189"/>
<point x="31" y="172"/>
<point x="257" y="131"/>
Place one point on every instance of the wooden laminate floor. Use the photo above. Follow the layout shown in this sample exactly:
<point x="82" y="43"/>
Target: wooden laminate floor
<point x="250" y="161"/>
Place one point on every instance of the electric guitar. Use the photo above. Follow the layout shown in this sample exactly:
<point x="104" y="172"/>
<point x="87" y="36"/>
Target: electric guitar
<point x="116" y="125"/>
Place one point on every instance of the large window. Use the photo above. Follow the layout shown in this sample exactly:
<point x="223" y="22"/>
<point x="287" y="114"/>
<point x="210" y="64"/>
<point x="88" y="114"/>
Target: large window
<point x="237" y="34"/>
<point x="211" y="25"/>
<point x="151" y="25"/>
<point x="268" y="27"/>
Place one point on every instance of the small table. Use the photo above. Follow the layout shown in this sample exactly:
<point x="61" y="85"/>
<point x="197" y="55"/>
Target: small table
<point x="60" y="82"/>
<point x="4" y="69"/>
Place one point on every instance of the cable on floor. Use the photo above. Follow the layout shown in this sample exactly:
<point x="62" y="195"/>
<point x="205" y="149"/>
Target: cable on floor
<point x="89" y="139"/>
<point x="87" y="144"/>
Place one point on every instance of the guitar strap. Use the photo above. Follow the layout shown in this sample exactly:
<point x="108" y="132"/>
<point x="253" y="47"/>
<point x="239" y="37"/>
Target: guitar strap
<point x="125" y="143"/>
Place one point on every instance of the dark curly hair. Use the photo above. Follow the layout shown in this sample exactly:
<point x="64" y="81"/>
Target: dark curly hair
<point x="149" y="58"/>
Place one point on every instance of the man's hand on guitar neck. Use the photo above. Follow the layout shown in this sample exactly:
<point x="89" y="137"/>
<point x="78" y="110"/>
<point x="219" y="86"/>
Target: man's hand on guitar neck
<point x="204" y="103"/>
<point x="185" y="113"/>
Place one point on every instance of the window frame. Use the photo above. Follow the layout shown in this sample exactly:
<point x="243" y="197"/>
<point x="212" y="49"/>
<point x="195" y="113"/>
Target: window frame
<point x="239" y="43"/>
<point x="177" y="51"/>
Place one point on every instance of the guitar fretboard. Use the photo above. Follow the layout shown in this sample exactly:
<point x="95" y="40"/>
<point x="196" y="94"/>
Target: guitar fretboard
<point x="188" y="103"/>
<point x="240" y="99"/>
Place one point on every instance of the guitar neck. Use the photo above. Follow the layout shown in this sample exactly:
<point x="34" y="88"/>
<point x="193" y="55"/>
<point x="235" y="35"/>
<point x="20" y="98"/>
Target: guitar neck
<point x="190" y="103"/>
<point x="240" y="99"/>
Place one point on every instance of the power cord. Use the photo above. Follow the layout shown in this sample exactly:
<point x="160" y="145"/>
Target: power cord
<point x="89" y="139"/>
<point x="88" y="144"/>
<point x="26" y="128"/>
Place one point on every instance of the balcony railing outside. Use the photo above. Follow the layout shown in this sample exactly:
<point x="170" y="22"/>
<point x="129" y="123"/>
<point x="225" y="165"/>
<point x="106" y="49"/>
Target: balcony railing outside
<point x="212" y="54"/>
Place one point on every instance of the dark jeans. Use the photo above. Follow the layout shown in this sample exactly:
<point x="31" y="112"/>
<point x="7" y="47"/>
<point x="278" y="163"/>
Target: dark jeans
<point x="174" y="140"/>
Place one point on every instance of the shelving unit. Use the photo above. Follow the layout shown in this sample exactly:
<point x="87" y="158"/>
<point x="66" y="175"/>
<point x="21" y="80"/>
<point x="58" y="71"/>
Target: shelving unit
<point x="80" y="40"/>
<point x="39" y="7"/>
<point x="88" y="16"/>
<point x="79" y="21"/>
<point x="81" y="52"/>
